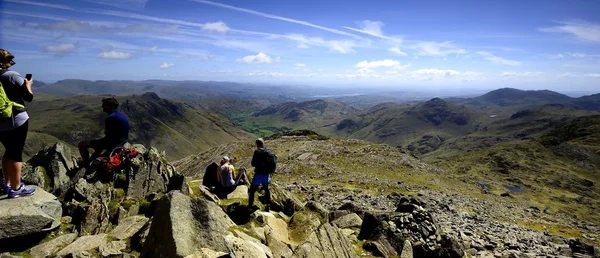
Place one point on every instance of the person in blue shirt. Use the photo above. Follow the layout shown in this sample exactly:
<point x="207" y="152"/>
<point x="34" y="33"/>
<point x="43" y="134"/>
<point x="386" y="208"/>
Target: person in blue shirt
<point x="116" y="132"/>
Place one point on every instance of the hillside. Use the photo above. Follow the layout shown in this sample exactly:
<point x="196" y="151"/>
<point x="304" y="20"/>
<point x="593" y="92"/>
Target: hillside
<point x="577" y="140"/>
<point x="522" y="125"/>
<point x="420" y="128"/>
<point x="591" y="102"/>
<point x="333" y="171"/>
<point x="173" y="126"/>
<point x="313" y="115"/>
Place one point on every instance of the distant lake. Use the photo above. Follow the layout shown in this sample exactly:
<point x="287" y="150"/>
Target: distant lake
<point x="514" y="189"/>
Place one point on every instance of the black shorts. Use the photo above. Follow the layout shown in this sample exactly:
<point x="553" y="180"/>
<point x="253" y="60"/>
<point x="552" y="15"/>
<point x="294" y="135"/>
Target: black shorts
<point x="101" y="145"/>
<point x="14" y="142"/>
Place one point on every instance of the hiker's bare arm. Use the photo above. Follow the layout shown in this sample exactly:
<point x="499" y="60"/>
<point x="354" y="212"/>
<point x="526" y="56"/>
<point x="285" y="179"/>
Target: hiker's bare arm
<point x="253" y="162"/>
<point x="27" y="93"/>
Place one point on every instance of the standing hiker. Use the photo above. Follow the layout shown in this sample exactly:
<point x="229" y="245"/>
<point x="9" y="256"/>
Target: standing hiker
<point x="14" y="123"/>
<point x="264" y="162"/>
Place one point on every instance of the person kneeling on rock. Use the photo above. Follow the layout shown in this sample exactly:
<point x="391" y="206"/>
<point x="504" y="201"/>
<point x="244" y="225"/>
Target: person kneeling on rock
<point x="228" y="180"/>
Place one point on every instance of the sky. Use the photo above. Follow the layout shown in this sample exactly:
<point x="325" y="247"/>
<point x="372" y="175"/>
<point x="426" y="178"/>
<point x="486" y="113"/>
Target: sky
<point x="470" y="44"/>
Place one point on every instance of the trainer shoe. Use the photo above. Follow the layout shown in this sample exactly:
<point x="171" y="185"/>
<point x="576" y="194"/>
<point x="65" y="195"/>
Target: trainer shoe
<point x="6" y="189"/>
<point x="22" y="191"/>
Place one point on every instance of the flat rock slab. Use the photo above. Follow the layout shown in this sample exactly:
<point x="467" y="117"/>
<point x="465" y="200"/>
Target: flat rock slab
<point x="84" y="243"/>
<point x="128" y="227"/>
<point x="27" y="215"/>
<point x="51" y="247"/>
<point x="240" y="192"/>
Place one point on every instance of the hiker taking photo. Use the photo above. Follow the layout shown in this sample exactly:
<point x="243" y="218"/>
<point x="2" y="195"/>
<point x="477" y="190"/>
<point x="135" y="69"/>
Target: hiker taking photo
<point x="264" y="162"/>
<point x="14" y="123"/>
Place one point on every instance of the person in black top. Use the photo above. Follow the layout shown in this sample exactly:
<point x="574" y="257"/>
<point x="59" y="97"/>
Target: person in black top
<point x="262" y="174"/>
<point x="116" y="132"/>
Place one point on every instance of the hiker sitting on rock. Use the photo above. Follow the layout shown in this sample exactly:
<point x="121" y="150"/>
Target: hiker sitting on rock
<point x="13" y="127"/>
<point x="228" y="178"/>
<point x="116" y="133"/>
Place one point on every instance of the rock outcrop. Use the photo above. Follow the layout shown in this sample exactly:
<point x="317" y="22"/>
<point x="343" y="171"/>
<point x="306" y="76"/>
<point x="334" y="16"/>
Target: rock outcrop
<point x="387" y="233"/>
<point x="51" y="168"/>
<point x="149" y="173"/>
<point x="19" y="217"/>
<point x="185" y="226"/>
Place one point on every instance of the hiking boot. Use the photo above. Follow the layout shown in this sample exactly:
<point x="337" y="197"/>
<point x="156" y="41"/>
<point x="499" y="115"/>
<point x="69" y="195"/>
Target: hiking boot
<point x="22" y="191"/>
<point x="6" y="189"/>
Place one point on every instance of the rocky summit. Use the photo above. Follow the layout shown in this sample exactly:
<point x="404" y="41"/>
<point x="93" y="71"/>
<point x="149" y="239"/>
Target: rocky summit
<point x="148" y="207"/>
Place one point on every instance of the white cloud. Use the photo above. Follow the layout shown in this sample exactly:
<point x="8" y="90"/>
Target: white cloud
<point x="303" y="45"/>
<point x="431" y="48"/>
<point x="260" y="58"/>
<point x="583" y="31"/>
<point x="498" y="60"/>
<point x="356" y="75"/>
<point x="568" y="75"/>
<point x="593" y="75"/>
<point x="60" y="49"/>
<point x="166" y="65"/>
<point x="277" y="17"/>
<point x="574" y="55"/>
<point x="515" y="74"/>
<point x="376" y="64"/>
<point x="299" y="66"/>
<point x="341" y="46"/>
<point x="98" y="27"/>
<point x="122" y="3"/>
<point x="153" y="49"/>
<point x="435" y="73"/>
<point x="366" y="67"/>
<point x="372" y="28"/>
<point x="397" y="51"/>
<point x="55" y="6"/>
<point x="215" y="26"/>
<point x="115" y="55"/>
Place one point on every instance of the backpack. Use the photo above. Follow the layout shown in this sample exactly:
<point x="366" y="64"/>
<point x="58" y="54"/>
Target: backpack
<point x="6" y="105"/>
<point x="270" y="162"/>
<point x="114" y="160"/>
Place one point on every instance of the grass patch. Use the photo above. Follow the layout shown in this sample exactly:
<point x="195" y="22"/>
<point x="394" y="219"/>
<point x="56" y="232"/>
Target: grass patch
<point x="555" y="229"/>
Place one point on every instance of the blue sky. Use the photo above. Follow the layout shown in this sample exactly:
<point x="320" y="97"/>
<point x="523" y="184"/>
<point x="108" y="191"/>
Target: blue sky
<point x="548" y="44"/>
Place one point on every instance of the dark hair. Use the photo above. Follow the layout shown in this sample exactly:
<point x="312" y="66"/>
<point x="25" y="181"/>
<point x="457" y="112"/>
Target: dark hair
<point x="111" y="101"/>
<point x="259" y="143"/>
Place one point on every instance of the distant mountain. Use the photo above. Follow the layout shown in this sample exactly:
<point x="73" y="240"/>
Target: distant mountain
<point x="591" y="102"/>
<point x="313" y="114"/>
<point x="420" y="128"/>
<point x="169" y="125"/>
<point x="507" y="97"/>
<point x="38" y="84"/>
<point x="181" y="89"/>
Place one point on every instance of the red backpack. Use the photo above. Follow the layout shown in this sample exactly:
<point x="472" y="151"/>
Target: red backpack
<point x="116" y="159"/>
